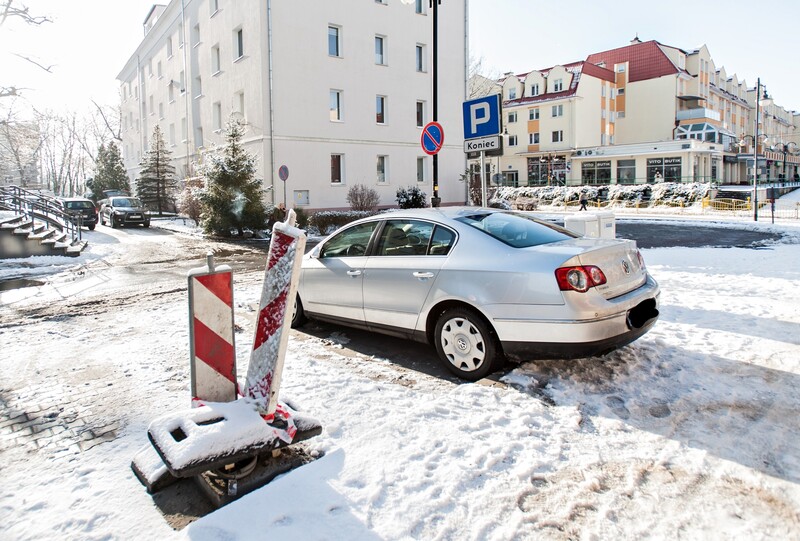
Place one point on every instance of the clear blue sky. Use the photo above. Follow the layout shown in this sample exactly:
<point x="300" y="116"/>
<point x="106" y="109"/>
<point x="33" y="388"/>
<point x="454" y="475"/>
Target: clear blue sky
<point x="90" y="40"/>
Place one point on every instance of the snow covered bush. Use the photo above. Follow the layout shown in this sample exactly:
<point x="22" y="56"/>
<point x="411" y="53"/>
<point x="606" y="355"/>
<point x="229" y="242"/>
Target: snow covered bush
<point x="326" y="221"/>
<point x="411" y="198"/>
<point x="665" y="193"/>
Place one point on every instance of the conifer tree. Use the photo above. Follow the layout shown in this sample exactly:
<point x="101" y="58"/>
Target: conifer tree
<point x="156" y="185"/>
<point x="109" y="172"/>
<point x="232" y="199"/>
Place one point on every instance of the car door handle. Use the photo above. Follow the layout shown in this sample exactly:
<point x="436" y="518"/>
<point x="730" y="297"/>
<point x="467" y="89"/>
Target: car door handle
<point x="423" y="275"/>
<point x="354" y="273"/>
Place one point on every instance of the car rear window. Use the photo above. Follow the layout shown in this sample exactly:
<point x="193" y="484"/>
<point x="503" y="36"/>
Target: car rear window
<point x="517" y="230"/>
<point x="126" y="202"/>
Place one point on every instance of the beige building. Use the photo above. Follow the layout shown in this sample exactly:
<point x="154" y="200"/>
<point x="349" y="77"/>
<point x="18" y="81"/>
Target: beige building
<point x="338" y="92"/>
<point x="641" y="113"/>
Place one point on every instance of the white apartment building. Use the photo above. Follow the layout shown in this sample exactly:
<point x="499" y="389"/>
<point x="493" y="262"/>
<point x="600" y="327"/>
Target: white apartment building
<point x="338" y="91"/>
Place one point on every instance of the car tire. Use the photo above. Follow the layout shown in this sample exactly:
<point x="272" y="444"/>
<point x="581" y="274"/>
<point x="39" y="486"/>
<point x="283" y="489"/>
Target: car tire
<point x="466" y="344"/>
<point x="146" y="224"/>
<point x="113" y="220"/>
<point x="91" y="227"/>
<point x="298" y="315"/>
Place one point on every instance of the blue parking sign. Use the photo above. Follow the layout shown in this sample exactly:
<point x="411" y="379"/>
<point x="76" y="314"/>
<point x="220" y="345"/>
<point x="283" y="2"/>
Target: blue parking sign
<point x="482" y="117"/>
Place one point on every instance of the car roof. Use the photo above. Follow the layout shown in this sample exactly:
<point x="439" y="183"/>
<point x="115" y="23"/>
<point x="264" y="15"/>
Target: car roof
<point x="75" y="199"/>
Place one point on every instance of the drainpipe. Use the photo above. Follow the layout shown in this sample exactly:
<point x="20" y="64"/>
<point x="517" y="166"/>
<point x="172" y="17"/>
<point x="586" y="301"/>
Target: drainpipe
<point x="272" y="108"/>
<point x="185" y="87"/>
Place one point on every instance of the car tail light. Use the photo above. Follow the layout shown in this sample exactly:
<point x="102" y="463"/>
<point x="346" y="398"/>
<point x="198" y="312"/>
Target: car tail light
<point x="579" y="278"/>
<point x="641" y="260"/>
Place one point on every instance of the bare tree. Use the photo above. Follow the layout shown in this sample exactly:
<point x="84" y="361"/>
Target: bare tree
<point x="20" y="143"/>
<point x="481" y="82"/>
<point x="65" y="165"/>
<point x="10" y="9"/>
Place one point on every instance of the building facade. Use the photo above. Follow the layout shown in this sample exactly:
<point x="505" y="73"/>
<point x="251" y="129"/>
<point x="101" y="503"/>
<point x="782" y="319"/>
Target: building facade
<point x="338" y="92"/>
<point x="637" y="114"/>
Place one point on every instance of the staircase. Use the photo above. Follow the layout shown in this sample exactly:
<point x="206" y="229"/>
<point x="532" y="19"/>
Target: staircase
<point x="37" y="227"/>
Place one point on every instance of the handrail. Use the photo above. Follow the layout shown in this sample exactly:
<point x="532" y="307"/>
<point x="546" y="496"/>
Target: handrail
<point x="36" y="206"/>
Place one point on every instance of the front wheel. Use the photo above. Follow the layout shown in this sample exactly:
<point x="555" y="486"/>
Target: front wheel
<point x="91" y="227"/>
<point x="113" y="220"/>
<point x="298" y="316"/>
<point x="466" y="344"/>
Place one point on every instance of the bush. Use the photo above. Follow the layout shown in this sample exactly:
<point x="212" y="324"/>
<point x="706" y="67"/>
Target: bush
<point x="190" y="203"/>
<point x="326" y="221"/>
<point x="362" y="198"/>
<point x="411" y="198"/>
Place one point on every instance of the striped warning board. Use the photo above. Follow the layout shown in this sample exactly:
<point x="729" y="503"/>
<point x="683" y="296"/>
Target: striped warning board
<point x="212" y="348"/>
<point x="274" y="316"/>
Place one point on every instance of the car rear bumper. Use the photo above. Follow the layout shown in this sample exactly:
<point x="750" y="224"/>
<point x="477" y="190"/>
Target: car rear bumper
<point x="630" y="317"/>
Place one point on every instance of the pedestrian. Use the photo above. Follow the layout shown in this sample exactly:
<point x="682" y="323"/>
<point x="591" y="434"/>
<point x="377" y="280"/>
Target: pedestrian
<point x="658" y="177"/>
<point x="584" y="203"/>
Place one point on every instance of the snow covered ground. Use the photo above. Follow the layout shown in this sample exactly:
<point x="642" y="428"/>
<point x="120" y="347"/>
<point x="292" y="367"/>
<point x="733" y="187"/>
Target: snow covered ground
<point x="691" y="432"/>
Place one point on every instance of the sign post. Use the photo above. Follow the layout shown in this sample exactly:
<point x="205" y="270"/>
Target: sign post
<point x="482" y="122"/>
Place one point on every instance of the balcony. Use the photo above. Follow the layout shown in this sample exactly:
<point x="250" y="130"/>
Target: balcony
<point x="699" y="113"/>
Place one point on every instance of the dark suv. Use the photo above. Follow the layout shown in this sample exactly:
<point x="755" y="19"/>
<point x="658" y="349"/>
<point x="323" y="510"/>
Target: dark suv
<point x="79" y="205"/>
<point x="124" y="210"/>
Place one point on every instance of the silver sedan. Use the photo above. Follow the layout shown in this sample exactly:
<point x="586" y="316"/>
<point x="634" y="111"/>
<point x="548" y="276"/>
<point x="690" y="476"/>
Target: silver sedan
<point x="481" y="285"/>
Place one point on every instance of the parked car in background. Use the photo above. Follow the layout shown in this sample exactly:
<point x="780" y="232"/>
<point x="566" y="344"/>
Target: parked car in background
<point x="79" y="206"/>
<point x="123" y="210"/>
<point x="481" y="285"/>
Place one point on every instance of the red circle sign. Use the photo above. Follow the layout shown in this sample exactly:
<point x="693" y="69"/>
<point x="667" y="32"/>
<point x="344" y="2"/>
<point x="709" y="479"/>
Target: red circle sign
<point x="432" y="138"/>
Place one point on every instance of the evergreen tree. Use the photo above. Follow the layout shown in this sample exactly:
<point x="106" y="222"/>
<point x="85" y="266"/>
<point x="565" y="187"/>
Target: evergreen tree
<point x="109" y="172"/>
<point x="233" y="196"/>
<point x="156" y="185"/>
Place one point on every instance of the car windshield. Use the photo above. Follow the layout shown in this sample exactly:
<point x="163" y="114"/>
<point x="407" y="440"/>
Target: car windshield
<point x="75" y="205"/>
<point x="516" y="230"/>
<point x="127" y="202"/>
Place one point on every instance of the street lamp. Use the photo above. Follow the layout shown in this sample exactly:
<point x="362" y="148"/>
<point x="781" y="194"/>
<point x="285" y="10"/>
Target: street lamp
<point x="434" y="4"/>
<point x="785" y="147"/>
<point x="755" y="147"/>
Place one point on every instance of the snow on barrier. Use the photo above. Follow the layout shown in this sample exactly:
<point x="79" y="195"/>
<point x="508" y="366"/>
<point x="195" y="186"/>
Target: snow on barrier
<point x="212" y="350"/>
<point x="274" y="315"/>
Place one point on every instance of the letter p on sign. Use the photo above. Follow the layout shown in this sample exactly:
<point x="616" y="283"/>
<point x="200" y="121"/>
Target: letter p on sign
<point x="482" y="117"/>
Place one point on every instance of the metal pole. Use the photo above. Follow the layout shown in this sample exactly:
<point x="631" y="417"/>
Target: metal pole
<point x="483" y="179"/>
<point x="435" y="200"/>
<point x="755" y="154"/>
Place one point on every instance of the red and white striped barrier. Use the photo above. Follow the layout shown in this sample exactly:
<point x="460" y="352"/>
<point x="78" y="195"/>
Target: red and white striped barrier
<point x="211" y="331"/>
<point x="274" y="316"/>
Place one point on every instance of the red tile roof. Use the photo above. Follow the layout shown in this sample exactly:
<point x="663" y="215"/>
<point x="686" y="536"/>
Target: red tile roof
<point x="645" y="60"/>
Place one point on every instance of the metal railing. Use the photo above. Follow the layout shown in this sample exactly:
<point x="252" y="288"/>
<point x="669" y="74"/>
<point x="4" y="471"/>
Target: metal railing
<point x="35" y="207"/>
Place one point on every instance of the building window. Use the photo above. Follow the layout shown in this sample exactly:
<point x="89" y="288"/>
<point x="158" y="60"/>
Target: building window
<point x="169" y="47"/>
<point x="533" y="138"/>
<point x="198" y="87"/>
<point x="182" y="82"/>
<point x="380" y="109"/>
<point x="161" y="110"/>
<point x="512" y="93"/>
<point x="217" y="116"/>
<point x="535" y="89"/>
<point x="620" y="91"/>
<point x="239" y="101"/>
<point x="159" y="70"/>
<point x="336" y="105"/>
<point x="215" y="65"/>
<point x="512" y="140"/>
<point x="333" y="41"/>
<point x="626" y="171"/>
<point x="596" y="172"/>
<point x="420" y="169"/>
<point x="171" y="91"/>
<point x="184" y="130"/>
<point x="172" y="134"/>
<point x="419" y="6"/>
<point x="214" y="6"/>
<point x="238" y="43"/>
<point x="420" y="114"/>
<point x="196" y="35"/>
<point x="337" y="164"/>
<point x="152" y="108"/>
<point x="558" y="136"/>
<point x="558" y="85"/>
<point x="198" y="136"/>
<point x="558" y="110"/>
<point x="420" y="55"/>
<point x="620" y="68"/>
<point x="533" y="114"/>
<point x="512" y="117"/>
<point x="661" y="169"/>
<point x="380" y="50"/>
<point x="381" y="168"/>
<point x="620" y="114"/>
